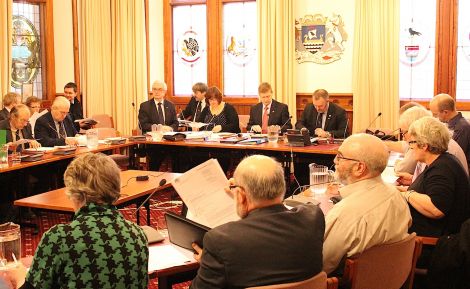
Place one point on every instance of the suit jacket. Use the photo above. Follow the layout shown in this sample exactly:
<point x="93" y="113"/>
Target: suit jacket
<point x="46" y="133"/>
<point x="271" y="245"/>
<point x="148" y="115"/>
<point x="278" y="115"/>
<point x="76" y="112"/>
<point x="336" y="120"/>
<point x="190" y="110"/>
<point x="26" y="132"/>
<point x="4" y="114"/>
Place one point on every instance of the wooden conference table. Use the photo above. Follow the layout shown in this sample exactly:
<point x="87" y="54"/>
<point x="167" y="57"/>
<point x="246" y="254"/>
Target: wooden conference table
<point x="132" y="192"/>
<point x="50" y="157"/>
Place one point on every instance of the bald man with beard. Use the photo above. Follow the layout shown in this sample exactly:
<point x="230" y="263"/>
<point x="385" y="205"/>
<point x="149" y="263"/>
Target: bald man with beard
<point x="371" y="212"/>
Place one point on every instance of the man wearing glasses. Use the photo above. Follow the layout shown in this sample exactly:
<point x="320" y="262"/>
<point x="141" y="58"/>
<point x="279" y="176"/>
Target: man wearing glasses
<point x="55" y="128"/>
<point x="18" y="127"/>
<point x="270" y="244"/>
<point x="371" y="212"/>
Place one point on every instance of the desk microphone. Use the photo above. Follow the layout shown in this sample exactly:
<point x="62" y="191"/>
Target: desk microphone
<point x="346" y="128"/>
<point x="162" y="183"/>
<point x="367" y="129"/>
<point x="391" y="135"/>
<point x="138" y="120"/>
<point x="290" y="117"/>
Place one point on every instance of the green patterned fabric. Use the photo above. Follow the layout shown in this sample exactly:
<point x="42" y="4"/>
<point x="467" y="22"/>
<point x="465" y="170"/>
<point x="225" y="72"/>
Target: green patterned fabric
<point x="99" y="249"/>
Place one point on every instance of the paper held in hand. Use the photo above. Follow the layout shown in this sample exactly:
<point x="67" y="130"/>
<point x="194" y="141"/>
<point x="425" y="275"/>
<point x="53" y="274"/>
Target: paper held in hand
<point x="202" y="189"/>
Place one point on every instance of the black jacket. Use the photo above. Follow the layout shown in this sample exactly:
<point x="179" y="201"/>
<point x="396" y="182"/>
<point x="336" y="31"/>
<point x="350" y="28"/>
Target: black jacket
<point x="336" y="120"/>
<point x="148" y="115"/>
<point x="46" y="133"/>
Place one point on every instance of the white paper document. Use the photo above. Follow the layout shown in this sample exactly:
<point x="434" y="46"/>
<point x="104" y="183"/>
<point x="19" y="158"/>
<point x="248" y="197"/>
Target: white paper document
<point x="203" y="191"/>
<point x="388" y="175"/>
<point x="167" y="256"/>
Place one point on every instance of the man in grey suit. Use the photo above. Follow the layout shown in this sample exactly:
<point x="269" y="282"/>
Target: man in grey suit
<point x="270" y="244"/>
<point x="268" y="112"/>
<point x="158" y="110"/>
<point x="323" y="118"/>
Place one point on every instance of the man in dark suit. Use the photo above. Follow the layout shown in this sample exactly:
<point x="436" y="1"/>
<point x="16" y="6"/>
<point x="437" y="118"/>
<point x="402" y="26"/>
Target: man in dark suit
<point x="268" y="112"/>
<point x="197" y="102"/>
<point x="270" y="244"/>
<point x="76" y="110"/>
<point x="18" y="128"/>
<point x="9" y="101"/>
<point x="54" y="127"/>
<point x="323" y="118"/>
<point x="158" y="110"/>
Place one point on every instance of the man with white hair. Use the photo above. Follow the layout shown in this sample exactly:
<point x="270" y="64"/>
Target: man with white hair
<point x="158" y="110"/>
<point x="270" y="244"/>
<point x="443" y="107"/>
<point x="54" y="127"/>
<point x="371" y="212"/>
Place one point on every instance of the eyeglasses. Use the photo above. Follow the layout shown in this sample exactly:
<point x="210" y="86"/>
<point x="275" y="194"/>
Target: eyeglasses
<point x="412" y="142"/>
<point x="340" y="157"/>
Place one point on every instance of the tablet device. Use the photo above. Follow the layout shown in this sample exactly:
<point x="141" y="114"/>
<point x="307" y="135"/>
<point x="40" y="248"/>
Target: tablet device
<point x="183" y="232"/>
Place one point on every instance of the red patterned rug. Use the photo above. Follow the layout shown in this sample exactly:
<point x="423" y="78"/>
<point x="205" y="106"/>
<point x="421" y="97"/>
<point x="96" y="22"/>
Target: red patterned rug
<point x="159" y="204"/>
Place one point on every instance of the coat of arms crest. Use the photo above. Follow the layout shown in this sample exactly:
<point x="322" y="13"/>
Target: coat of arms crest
<point x="319" y="39"/>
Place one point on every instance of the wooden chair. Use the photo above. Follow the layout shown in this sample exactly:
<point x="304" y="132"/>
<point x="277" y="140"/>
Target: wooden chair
<point x="104" y="120"/>
<point x="389" y="266"/>
<point x="318" y="281"/>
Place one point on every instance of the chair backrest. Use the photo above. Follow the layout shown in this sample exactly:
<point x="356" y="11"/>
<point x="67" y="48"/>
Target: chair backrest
<point x="316" y="282"/>
<point x="387" y="266"/>
<point x="243" y="121"/>
<point x="104" y="120"/>
<point x="105" y="132"/>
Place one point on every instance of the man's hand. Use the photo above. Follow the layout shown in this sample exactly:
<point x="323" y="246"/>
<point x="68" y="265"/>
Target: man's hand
<point x="217" y="128"/>
<point x="256" y="128"/>
<point x="166" y="128"/>
<point x="34" y="144"/>
<point x="197" y="256"/>
<point x="228" y="191"/>
<point x="321" y="133"/>
<point x="71" y="141"/>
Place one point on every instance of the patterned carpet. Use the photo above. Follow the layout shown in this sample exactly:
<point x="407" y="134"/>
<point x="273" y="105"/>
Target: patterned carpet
<point x="45" y="220"/>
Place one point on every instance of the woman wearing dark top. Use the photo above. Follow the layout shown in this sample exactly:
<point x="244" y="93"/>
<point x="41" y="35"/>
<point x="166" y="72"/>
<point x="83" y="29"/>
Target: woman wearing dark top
<point x="439" y="197"/>
<point x="219" y="115"/>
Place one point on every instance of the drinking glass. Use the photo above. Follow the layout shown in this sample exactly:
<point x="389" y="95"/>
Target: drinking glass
<point x="3" y="156"/>
<point x="92" y="138"/>
<point x="10" y="245"/>
<point x="273" y="133"/>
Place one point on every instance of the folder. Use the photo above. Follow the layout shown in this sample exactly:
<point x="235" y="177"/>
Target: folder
<point x="183" y="232"/>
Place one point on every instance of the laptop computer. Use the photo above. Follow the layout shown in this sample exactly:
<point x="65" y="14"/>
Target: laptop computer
<point x="183" y="232"/>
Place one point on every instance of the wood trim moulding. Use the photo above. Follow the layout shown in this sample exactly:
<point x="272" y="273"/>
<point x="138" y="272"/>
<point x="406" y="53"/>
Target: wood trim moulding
<point x="168" y="45"/>
<point x="76" y="59"/>
<point x="214" y="44"/>
<point x="49" y="40"/>
<point x="186" y="2"/>
<point x="445" y="69"/>
<point x="345" y="100"/>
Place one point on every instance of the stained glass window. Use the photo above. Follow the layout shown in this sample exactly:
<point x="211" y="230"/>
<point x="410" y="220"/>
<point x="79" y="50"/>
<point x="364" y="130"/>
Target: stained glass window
<point x="26" y="48"/>
<point x="463" y="52"/>
<point x="417" y="49"/>
<point x="189" y="47"/>
<point x="240" y="49"/>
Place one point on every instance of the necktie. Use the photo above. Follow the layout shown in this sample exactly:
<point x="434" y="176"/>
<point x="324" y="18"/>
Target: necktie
<point x="264" y="124"/>
<point x="319" y="120"/>
<point x="198" y="110"/>
<point x="62" y="133"/>
<point x="17" y="138"/>
<point x="161" y="119"/>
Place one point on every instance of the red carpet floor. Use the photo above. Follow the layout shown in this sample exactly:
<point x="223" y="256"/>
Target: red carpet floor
<point x="45" y="220"/>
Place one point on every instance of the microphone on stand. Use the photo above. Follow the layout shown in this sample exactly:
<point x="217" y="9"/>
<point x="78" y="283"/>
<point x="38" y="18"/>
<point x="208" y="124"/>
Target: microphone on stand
<point x="161" y="183"/>
<point x="290" y="117"/>
<point x="140" y="131"/>
<point x="367" y="129"/>
<point x="346" y="128"/>
<point x="152" y="234"/>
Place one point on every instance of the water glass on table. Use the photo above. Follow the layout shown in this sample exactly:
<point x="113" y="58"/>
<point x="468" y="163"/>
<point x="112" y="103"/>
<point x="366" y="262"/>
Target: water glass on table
<point x="273" y="133"/>
<point x="10" y="245"/>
